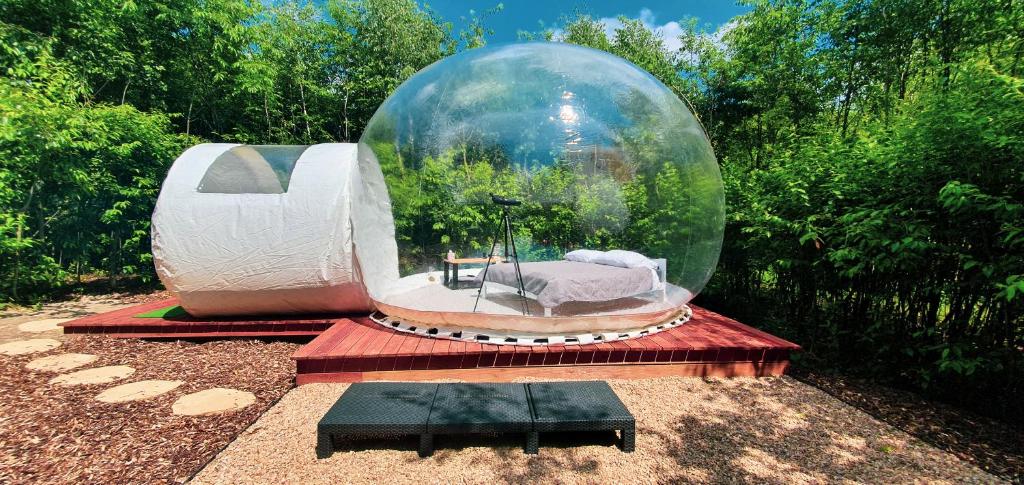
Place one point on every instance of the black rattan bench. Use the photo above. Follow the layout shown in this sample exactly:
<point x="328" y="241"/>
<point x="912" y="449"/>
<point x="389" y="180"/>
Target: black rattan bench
<point x="395" y="408"/>
<point x="581" y="406"/>
<point x="482" y="408"/>
<point x="377" y="408"/>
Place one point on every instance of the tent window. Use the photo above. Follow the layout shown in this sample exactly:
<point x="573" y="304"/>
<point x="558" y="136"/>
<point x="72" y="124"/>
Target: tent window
<point x="252" y="169"/>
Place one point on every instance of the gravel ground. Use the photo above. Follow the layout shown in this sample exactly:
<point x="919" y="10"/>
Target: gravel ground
<point x="57" y="434"/>
<point x="688" y="430"/>
<point x="992" y="445"/>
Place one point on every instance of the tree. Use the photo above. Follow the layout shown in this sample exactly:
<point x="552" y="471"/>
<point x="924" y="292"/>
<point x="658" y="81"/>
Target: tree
<point x="391" y="40"/>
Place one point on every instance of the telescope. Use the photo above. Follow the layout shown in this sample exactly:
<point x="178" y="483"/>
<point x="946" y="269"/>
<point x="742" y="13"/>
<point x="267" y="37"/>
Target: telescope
<point x="503" y="201"/>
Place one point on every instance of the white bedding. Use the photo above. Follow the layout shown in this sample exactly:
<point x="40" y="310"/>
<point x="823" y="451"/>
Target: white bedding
<point x="558" y="282"/>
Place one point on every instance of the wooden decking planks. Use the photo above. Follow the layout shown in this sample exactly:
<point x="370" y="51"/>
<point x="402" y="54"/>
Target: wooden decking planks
<point x="710" y="344"/>
<point x="352" y="348"/>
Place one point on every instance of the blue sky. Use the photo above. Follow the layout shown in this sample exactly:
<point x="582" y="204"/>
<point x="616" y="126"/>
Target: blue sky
<point x="534" y="15"/>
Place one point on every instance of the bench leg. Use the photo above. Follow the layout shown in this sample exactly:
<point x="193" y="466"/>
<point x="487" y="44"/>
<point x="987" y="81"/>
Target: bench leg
<point x="532" y="443"/>
<point x="426" y="445"/>
<point x="628" y="441"/>
<point x="324" y="445"/>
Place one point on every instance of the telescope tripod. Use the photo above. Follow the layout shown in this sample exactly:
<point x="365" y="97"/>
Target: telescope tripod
<point x="504" y="230"/>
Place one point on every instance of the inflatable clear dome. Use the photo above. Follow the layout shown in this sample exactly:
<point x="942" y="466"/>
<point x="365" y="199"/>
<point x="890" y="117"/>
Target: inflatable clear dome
<point x="539" y="188"/>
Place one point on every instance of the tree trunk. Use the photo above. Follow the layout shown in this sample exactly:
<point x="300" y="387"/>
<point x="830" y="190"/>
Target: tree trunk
<point x="266" y="112"/>
<point x="124" y="93"/>
<point x="188" y="119"/>
<point x="847" y="101"/>
<point x="17" y="264"/>
<point x="344" y="117"/>
<point x="904" y="77"/>
<point x="760" y="142"/>
<point x="1016" y="58"/>
<point x="305" y="115"/>
<point x="78" y="260"/>
<point x="19" y="236"/>
<point x="946" y="50"/>
<point x="114" y="260"/>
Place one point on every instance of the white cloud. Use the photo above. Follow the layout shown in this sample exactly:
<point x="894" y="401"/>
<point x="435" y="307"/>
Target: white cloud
<point x="669" y="31"/>
<point x="716" y="39"/>
<point x="718" y="35"/>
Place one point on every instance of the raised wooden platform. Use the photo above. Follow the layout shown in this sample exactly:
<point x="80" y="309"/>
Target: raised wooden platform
<point x="708" y="345"/>
<point x="125" y="323"/>
<point x="353" y="348"/>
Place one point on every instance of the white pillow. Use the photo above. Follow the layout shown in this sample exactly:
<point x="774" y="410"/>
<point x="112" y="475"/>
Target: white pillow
<point x="625" y="259"/>
<point x="584" y="255"/>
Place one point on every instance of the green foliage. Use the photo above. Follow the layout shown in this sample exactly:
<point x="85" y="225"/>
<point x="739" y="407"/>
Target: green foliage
<point x="76" y="181"/>
<point x="873" y="171"/>
<point x="563" y="209"/>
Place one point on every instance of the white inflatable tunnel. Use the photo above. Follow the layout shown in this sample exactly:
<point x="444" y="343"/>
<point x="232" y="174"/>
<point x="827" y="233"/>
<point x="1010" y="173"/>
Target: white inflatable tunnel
<point x="247" y="230"/>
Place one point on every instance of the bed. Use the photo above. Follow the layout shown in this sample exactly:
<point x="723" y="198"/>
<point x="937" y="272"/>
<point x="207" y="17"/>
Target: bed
<point x="553" y="283"/>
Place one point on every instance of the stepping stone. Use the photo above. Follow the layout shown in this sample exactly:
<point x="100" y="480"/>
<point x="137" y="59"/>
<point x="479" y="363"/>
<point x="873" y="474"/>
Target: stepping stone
<point x="96" y="375"/>
<point x="60" y="362"/>
<point x="30" y="346"/>
<point x="134" y="391"/>
<point x="48" y="325"/>
<point x="216" y="400"/>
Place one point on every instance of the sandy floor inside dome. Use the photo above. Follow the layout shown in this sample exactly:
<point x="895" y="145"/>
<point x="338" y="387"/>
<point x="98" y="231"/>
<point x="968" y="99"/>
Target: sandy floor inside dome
<point x="425" y="292"/>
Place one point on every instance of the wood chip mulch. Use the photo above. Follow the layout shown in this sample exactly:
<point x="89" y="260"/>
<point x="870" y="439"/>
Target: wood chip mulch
<point x="54" y="434"/>
<point x="991" y="445"/>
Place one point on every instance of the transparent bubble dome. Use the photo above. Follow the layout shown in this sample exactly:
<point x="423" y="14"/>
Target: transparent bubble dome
<point x="601" y="155"/>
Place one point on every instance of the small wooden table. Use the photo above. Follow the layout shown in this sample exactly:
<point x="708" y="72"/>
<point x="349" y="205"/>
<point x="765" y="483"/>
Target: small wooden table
<point x="451" y="278"/>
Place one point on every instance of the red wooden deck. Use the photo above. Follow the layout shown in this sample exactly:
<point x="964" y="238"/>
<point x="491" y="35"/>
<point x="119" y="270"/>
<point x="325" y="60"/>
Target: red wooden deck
<point x="124" y="323"/>
<point x="708" y="345"/>
<point x="356" y="349"/>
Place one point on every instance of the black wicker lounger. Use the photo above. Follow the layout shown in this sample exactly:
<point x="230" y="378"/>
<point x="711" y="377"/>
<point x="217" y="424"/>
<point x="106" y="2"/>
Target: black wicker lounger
<point x="395" y="408"/>
<point x="482" y="408"/>
<point x="581" y="406"/>
<point x="377" y="408"/>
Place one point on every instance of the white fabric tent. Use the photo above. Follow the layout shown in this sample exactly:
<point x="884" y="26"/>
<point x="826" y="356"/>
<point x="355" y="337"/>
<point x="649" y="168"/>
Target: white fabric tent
<point x="374" y="223"/>
<point x="245" y="230"/>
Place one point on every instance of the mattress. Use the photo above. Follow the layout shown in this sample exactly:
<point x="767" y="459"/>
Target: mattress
<point x="558" y="282"/>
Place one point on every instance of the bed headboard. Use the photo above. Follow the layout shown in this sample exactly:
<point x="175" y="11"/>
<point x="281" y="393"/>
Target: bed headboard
<point x="662" y="268"/>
